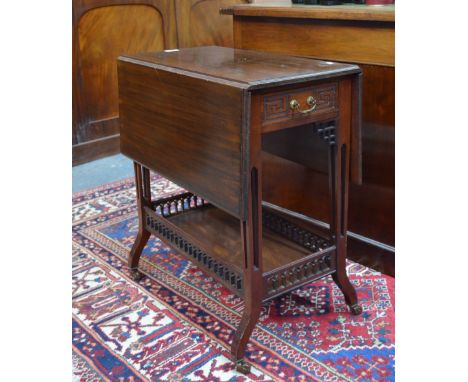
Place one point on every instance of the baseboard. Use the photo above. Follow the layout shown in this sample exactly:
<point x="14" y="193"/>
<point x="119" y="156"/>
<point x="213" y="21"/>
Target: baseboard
<point x="95" y="149"/>
<point x="365" y="252"/>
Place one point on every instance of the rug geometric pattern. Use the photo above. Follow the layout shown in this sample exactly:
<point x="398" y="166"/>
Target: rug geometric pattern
<point x="176" y="323"/>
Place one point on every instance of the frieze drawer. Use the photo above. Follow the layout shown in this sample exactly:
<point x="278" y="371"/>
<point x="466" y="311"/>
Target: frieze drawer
<point x="300" y="105"/>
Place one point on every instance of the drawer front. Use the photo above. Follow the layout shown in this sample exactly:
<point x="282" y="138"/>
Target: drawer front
<point x="276" y="107"/>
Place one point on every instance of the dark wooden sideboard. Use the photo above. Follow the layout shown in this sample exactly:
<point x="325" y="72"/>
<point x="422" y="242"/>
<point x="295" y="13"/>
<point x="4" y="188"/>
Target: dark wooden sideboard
<point x="104" y="29"/>
<point x="358" y="34"/>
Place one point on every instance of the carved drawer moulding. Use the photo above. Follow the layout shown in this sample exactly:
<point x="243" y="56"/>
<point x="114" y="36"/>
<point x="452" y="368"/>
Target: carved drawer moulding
<point x="277" y="107"/>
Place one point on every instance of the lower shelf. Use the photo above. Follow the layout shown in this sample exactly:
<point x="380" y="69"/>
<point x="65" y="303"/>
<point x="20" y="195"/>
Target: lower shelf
<point x="291" y="253"/>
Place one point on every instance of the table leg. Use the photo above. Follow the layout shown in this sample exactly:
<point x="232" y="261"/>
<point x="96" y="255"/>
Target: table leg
<point x="251" y="234"/>
<point x="339" y="180"/>
<point x="248" y="321"/>
<point x="143" y="193"/>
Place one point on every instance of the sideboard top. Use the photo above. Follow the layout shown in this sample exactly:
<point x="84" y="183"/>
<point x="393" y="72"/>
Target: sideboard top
<point x="245" y="69"/>
<point x="356" y="12"/>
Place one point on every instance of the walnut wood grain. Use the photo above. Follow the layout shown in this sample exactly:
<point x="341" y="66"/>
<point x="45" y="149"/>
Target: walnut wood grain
<point x="245" y="69"/>
<point x="102" y="30"/>
<point x="199" y="23"/>
<point x="335" y="40"/>
<point x="221" y="234"/>
<point x="104" y="34"/>
<point x="203" y="154"/>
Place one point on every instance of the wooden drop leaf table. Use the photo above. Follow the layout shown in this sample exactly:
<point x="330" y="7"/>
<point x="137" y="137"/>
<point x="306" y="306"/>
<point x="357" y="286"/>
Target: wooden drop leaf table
<point x="200" y="117"/>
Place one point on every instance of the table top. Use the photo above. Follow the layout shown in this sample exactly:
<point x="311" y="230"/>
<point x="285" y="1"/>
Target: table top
<point x="246" y="69"/>
<point x="337" y="12"/>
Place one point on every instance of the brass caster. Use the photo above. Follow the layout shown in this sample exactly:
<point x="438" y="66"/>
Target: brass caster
<point x="242" y="367"/>
<point x="135" y="274"/>
<point x="356" y="309"/>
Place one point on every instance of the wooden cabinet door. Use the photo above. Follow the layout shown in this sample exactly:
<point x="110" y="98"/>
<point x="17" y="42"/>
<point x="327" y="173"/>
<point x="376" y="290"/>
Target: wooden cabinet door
<point x="103" y="30"/>
<point x="200" y="23"/>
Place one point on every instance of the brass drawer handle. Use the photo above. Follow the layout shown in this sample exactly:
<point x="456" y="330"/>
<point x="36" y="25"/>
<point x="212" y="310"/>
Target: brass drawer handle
<point x="295" y="105"/>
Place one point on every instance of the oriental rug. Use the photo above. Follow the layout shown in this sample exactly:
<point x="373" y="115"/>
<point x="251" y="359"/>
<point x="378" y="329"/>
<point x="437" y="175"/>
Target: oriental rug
<point x="177" y="322"/>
